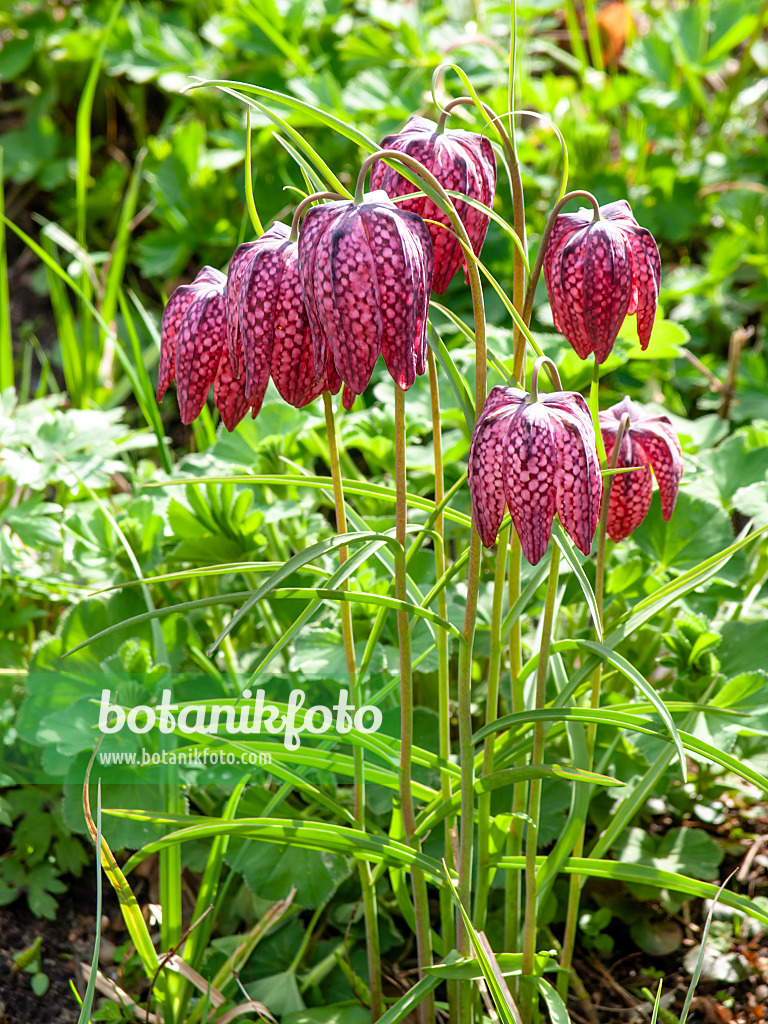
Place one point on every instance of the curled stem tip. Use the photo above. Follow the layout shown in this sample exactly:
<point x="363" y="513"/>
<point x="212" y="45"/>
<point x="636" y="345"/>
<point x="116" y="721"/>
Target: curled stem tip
<point x="536" y="272"/>
<point x="554" y="376"/>
<point x="304" y="204"/>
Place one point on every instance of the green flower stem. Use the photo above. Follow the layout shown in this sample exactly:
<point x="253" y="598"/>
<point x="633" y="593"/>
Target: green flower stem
<point x="484" y="870"/>
<point x="534" y="805"/>
<point x="249" y="200"/>
<point x="514" y="843"/>
<point x="594" y="408"/>
<point x="575" y="882"/>
<point x="418" y="881"/>
<point x="447" y="921"/>
<point x="536" y="272"/>
<point x="366" y="882"/>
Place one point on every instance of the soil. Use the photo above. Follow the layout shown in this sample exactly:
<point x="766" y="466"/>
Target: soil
<point x="66" y="940"/>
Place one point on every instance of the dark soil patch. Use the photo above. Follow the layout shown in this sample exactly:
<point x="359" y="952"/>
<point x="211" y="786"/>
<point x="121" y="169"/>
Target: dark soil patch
<point x="66" y="940"/>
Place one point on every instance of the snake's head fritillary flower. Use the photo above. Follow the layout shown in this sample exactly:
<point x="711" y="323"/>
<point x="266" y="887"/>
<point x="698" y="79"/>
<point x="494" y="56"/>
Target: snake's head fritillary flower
<point x="649" y="443"/>
<point x="597" y="271"/>
<point x="461" y="161"/>
<point x="535" y="454"/>
<point x="267" y="325"/>
<point x="366" y="274"/>
<point x="193" y="350"/>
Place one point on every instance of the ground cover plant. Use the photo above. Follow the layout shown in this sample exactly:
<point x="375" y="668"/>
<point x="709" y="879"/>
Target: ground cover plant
<point x="551" y="228"/>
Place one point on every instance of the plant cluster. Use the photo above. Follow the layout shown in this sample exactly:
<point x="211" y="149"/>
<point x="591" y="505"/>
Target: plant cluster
<point x="556" y="652"/>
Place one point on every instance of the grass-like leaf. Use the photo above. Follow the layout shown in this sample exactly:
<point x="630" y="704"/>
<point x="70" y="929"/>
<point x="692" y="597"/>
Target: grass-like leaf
<point x="310" y="835"/>
<point x="642" y="874"/>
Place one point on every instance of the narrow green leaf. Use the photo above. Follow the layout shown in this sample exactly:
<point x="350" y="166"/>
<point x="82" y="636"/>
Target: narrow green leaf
<point x="491" y="972"/>
<point x="642" y="874"/>
<point x="569" y="552"/>
<point x="455" y="378"/>
<point x="441" y="808"/>
<point x="158" y="613"/>
<point x="309" y="835"/>
<point x="342" y="127"/>
<point x="558" y="1014"/>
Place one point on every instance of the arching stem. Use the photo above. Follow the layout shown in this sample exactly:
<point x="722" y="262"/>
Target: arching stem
<point x="304" y="205"/>
<point x="554" y="376"/>
<point x="536" y="272"/>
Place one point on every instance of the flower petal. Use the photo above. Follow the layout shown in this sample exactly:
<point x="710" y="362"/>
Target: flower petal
<point x="243" y="255"/>
<point x="657" y="438"/>
<point x="402" y="256"/>
<point x="607" y="287"/>
<point x="647" y="276"/>
<point x="630" y="492"/>
<point x="292" y="356"/>
<point x="316" y="222"/>
<point x="347" y="274"/>
<point x="486" y="462"/>
<point x="201" y="339"/>
<point x="258" y="304"/>
<point x="577" y="473"/>
<point x="568" y="294"/>
<point x="229" y="393"/>
<point x="173" y="315"/>
<point x="530" y="457"/>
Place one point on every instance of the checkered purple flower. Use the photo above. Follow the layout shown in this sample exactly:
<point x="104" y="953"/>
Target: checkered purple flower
<point x="268" y="332"/>
<point x="193" y="350"/>
<point x="461" y="161"/>
<point x="597" y="272"/>
<point x="366" y="274"/>
<point x="536" y="456"/>
<point x="649" y="443"/>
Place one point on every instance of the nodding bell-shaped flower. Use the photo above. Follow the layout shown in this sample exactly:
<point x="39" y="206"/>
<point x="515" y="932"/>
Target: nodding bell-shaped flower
<point x="535" y="454"/>
<point x="268" y="332"/>
<point x="193" y="350"/>
<point x="597" y="271"/>
<point x="366" y="273"/>
<point x="650" y="443"/>
<point x="461" y="161"/>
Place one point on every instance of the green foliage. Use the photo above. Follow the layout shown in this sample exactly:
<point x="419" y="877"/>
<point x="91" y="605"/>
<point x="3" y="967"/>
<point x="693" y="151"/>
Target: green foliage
<point x="212" y="559"/>
<point x="43" y="849"/>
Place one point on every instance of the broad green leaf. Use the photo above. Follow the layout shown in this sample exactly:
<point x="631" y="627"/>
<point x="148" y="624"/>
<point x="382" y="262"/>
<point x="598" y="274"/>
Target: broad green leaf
<point x="697" y="531"/>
